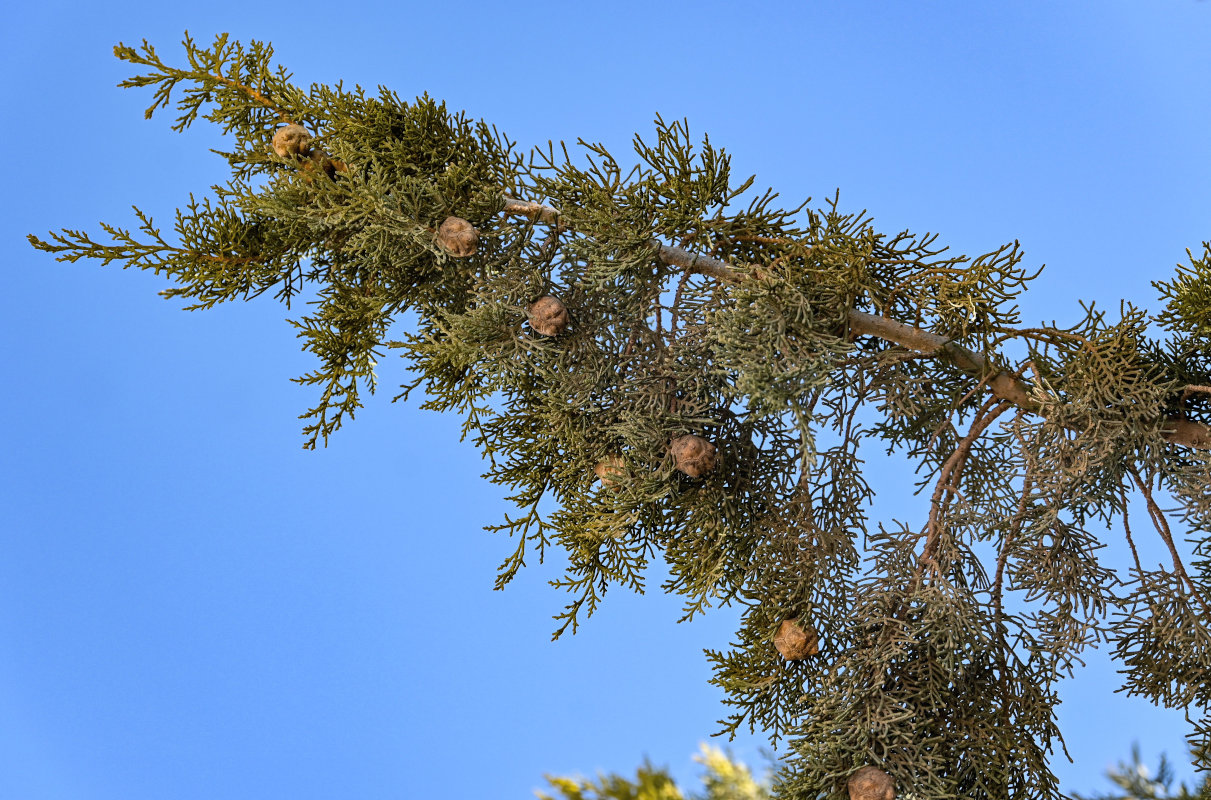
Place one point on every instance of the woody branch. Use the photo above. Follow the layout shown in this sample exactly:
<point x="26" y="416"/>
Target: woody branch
<point x="1001" y="384"/>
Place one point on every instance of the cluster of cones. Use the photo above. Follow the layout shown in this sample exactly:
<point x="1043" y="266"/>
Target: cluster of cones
<point x="693" y="455"/>
<point x="456" y="236"/>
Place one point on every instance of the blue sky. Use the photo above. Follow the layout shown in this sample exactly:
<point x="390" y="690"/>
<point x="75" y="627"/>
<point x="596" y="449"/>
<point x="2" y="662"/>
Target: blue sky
<point x="191" y="606"/>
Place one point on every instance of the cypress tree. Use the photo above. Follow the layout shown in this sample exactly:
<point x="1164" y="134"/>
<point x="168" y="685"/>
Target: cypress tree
<point x="686" y="370"/>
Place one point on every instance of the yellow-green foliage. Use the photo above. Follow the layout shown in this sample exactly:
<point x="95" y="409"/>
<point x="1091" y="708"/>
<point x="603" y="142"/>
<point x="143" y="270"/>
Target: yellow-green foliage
<point x="723" y="779"/>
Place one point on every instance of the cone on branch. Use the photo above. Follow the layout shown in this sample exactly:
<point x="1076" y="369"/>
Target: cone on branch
<point x="796" y="640"/>
<point x="548" y="316"/>
<point x="610" y="471"/>
<point x="292" y="141"/>
<point x="321" y="162"/>
<point x="871" y="783"/>
<point x="458" y="237"/>
<point x="693" y="455"/>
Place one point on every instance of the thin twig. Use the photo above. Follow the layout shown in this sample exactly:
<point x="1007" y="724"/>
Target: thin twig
<point x="954" y="409"/>
<point x="676" y="307"/>
<point x="950" y="473"/>
<point x="1015" y="527"/>
<point x="1162" y="527"/>
<point x="253" y="93"/>
<point x="1135" y="554"/>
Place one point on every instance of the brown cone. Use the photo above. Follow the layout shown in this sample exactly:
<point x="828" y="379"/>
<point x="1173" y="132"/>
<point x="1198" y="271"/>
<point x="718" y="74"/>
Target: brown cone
<point x="291" y="141"/>
<point x="796" y="640"/>
<point x="693" y="455"/>
<point x="871" y="783"/>
<point x="322" y="162"/>
<point x="458" y="237"/>
<point x="610" y="471"/>
<point x="548" y="316"/>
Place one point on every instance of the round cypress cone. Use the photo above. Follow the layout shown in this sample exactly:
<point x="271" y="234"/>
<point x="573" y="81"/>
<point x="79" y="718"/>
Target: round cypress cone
<point x="796" y="640"/>
<point x="609" y="471"/>
<point x="871" y="783"/>
<point x="693" y="455"/>
<point x="291" y="141"/>
<point x="548" y="316"/>
<point x="458" y="237"/>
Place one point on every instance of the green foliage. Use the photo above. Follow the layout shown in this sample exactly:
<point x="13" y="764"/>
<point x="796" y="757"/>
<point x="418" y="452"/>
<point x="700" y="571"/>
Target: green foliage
<point x="1189" y="296"/>
<point x="1137" y="782"/>
<point x="722" y="779"/>
<point x="795" y="340"/>
<point x="365" y="243"/>
<point x="727" y="779"/>
<point x="649" y="784"/>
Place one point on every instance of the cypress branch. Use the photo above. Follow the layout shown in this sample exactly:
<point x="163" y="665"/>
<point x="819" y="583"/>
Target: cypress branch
<point x="683" y="370"/>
